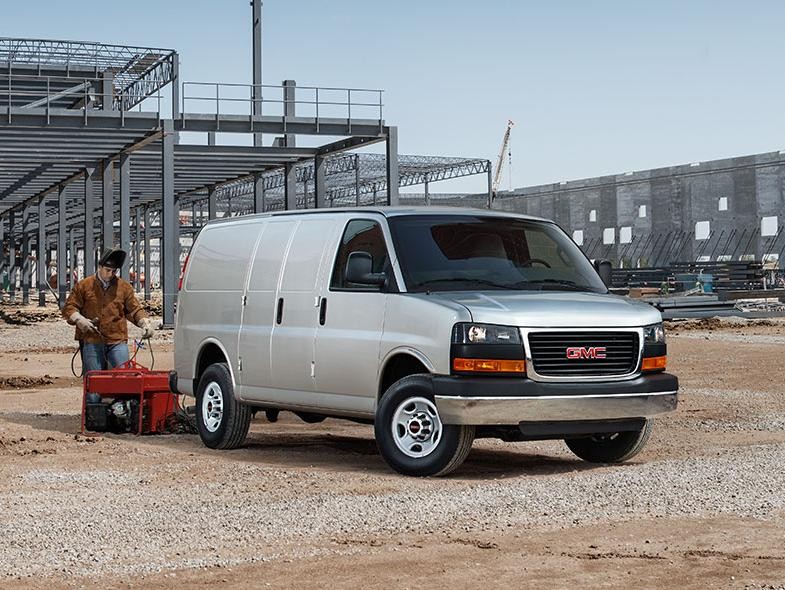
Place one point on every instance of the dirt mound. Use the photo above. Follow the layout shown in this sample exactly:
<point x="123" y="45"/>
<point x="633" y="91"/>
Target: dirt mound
<point x="25" y="382"/>
<point x="21" y="316"/>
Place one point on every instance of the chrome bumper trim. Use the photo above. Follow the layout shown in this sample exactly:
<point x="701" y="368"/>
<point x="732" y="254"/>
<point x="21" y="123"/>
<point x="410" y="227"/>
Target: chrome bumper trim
<point x="481" y="411"/>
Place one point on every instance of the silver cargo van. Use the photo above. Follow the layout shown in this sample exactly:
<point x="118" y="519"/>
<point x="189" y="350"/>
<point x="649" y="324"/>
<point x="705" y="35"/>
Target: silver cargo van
<point x="437" y="325"/>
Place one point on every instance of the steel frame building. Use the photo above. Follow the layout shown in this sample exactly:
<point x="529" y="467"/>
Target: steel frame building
<point x="88" y="143"/>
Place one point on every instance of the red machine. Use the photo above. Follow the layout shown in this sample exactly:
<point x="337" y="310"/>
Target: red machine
<point x="129" y="398"/>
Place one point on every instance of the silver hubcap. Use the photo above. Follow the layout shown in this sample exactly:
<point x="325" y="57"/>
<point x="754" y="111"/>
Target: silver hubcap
<point x="416" y="427"/>
<point x="212" y="407"/>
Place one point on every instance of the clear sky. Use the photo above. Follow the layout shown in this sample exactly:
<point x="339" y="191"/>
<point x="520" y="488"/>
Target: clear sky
<point x="594" y="88"/>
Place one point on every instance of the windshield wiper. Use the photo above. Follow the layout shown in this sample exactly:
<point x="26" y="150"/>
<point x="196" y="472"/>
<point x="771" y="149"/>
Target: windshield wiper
<point x="556" y="284"/>
<point x="483" y="282"/>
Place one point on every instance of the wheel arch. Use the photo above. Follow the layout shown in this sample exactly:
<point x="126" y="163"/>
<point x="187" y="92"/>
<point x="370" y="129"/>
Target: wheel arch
<point x="400" y="363"/>
<point x="211" y="351"/>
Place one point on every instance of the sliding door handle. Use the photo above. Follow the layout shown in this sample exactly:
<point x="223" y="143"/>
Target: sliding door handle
<point x="279" y="311"/>
<point x="323" y="311"/>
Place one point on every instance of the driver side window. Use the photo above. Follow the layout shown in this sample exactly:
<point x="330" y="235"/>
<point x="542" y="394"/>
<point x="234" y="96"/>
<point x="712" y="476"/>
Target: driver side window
<point x="360" y="235"/>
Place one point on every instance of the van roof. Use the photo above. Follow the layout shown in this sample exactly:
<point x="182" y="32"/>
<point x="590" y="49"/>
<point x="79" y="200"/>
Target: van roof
<point x="386" y="212"/>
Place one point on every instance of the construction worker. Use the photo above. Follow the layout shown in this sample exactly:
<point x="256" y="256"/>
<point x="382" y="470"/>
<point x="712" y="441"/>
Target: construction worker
<point x="99" y="306"/>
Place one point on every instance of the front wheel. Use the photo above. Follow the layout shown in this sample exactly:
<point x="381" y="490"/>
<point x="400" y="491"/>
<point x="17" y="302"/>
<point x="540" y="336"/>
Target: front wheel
<point x="611" y="448"/>
<point x="222" y="421"/>
<point x="410" y="435"/>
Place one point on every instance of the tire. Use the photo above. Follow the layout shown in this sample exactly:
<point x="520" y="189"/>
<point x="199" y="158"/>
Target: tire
<point x="611" y="448"/>
<point x="410" y="435"/>
<point x="222" y="421"/>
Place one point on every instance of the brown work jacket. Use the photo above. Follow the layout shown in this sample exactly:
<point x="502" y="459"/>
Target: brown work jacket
<point x="112" y="307"/>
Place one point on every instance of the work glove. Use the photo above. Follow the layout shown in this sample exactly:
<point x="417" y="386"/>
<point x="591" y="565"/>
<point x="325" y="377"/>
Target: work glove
<point x="147" y="327"/>
<point x="84" y="325"/>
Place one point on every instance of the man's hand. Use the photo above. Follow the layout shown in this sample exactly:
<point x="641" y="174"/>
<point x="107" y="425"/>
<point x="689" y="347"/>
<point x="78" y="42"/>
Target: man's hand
<point x="147" y="326"/>
<point x="85" y="326"/>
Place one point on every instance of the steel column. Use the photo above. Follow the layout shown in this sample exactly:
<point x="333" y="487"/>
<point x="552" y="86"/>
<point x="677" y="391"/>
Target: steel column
<point x="490" y="187"/>
<point x="256" y="90"/>
<point x="290" y="187"/>
<point x="137" y="249"/>
<point x="212" y="203"/>
<point x="107" y="90"/>
<point x="3" y="263"/>
<point x="89" y="236"/>
<point x="357" y="179"/>
<point x="393" y="172"/>
<point x="125" y="210"/>
<point x="258" y="193"/>
<point x="12" y="266"/>
<point x="26" y="254"/>
<point x="41" y="253"/>
<point x="289" y="110"/>
<point x="170" y="226"/>
<point x="176" y="86"/>
<point x="427" y="193"/>
<point x="320" y="184"/>
<point x="73" y="268"/>
<point x="62" y="254"/>
<point x="107" y="207"/>
<point x="147" y="232"/>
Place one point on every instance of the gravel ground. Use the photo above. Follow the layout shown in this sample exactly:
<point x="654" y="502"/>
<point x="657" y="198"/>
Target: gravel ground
<point x="103" y="510"/>
<point x="111" y="527"/>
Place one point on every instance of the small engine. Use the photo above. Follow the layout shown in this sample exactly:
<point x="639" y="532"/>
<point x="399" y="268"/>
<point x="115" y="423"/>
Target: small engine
<point x="107" y="415"/>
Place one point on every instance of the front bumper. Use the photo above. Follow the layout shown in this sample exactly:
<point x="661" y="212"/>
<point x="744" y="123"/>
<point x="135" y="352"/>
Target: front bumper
<point x="498" y="401"/>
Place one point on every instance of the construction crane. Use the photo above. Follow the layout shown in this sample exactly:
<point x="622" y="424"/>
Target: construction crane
<point x="497" y="177"/>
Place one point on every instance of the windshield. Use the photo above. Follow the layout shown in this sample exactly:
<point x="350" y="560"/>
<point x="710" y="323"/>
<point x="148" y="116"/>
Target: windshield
<point x="476" y="252"/>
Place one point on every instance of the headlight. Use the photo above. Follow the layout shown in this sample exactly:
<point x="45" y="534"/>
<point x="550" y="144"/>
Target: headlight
<point x="654" y="334"/>
<point x="471" y="333"/>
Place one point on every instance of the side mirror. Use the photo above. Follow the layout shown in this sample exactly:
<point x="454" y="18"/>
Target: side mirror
<point x="604" y="268"/>
<point x="359" y="270"/>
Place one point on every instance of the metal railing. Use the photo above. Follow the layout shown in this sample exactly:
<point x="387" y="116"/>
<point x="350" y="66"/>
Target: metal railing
<point x="287" y="101"/>
<point x="28" y="91"/>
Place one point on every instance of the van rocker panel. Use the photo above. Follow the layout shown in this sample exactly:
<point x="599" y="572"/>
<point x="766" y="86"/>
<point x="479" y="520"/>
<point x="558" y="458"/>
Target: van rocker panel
<point x="496" y="401"/>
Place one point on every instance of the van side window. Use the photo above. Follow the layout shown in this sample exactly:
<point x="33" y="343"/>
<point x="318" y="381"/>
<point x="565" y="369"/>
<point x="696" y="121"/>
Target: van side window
<point x="360" y="235"/>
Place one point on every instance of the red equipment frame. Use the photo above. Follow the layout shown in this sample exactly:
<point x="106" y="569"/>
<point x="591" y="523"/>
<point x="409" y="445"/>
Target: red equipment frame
<point x="157" y="403"/>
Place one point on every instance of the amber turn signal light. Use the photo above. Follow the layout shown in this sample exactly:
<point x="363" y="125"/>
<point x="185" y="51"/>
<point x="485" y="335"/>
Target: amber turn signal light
<point x="489" y="365"/>
<point x="655" y="363"/>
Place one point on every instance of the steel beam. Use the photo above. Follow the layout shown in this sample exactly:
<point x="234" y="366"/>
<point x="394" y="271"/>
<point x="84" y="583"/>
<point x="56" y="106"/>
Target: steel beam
<point x="62" y="255"/>
<point x="89" y="211"/>
<point x="125" y="210"/>
<point x="26" y="255"/>
<point x="290" y="187"/>
<point x="41" y="254"/>
<point x="393" y="172"/>
<point x="170" y="241"/>
<point x="107" y="208"/>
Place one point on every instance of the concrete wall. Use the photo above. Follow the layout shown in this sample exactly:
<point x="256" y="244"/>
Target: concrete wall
<point x="676" y="199"/>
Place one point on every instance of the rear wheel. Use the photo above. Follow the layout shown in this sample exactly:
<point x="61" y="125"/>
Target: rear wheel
<point x="410" y="435"/>
<point x="222" y="421"/>
<point x="611" y="448"/>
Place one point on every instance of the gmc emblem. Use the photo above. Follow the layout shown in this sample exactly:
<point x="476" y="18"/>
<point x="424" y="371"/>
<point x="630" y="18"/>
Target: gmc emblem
<point x="586" y="352"/>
